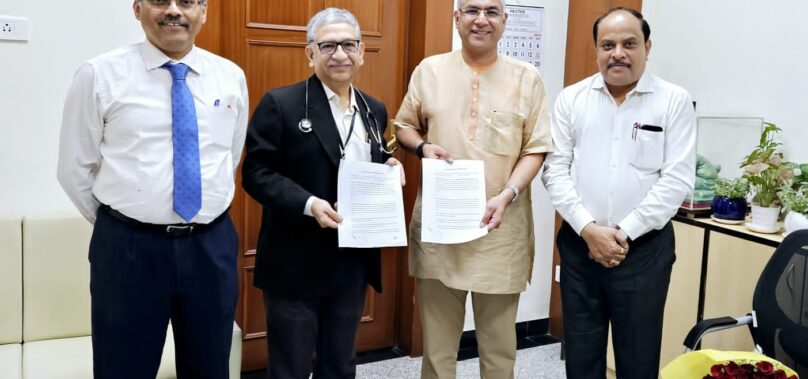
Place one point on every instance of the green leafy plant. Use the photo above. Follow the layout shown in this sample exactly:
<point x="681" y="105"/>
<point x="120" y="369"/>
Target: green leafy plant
<point x="765" y="170"/>
<point x="795" y="200"/>
<point x="800" y="177"/>
<point x="731" y="189"/>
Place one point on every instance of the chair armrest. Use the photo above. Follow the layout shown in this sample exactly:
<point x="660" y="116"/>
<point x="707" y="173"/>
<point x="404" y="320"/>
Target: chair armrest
<point x="714" y="325"/>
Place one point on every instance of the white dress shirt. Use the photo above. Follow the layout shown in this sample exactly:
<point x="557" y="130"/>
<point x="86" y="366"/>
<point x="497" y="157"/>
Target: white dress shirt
<point x="605" y="170"/>
<point x="358" y="147"/>
<point x="116" y="142"/>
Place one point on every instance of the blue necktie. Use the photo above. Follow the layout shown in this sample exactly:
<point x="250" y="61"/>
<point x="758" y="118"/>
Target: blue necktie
<point x="187" y="178"/>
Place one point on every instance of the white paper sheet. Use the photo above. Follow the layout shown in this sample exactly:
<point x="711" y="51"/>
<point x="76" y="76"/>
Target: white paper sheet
<point x="452" y="201"/>
<point x="371" y="204"/>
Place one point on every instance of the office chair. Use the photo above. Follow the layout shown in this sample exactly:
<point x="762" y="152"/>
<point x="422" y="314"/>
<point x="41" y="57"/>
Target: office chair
<point x="779" y="318"/>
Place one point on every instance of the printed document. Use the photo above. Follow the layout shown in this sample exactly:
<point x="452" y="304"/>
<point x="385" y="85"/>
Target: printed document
<point x="452" y="201"/>
<point x="370" y="201"/>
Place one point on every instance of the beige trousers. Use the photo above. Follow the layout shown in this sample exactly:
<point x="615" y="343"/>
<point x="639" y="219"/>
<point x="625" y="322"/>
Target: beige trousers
<point x="443" y="311"/>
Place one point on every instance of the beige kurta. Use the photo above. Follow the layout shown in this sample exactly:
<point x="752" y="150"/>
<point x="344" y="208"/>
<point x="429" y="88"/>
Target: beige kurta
<point x="497" y="115"/>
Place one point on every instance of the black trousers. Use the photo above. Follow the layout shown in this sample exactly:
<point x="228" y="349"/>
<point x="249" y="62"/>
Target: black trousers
<point x="140" y="279"/>
<point x="631" y="296"/>
<point x="317" y="335"/>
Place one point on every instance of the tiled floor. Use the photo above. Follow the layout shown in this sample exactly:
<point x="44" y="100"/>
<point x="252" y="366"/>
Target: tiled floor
<point x="541" y="362"/>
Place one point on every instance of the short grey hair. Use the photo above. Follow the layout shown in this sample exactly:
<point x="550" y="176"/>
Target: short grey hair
<point x="460" y="2"/>
<point x="330" y="16"/>
<point x="201" y="2"/>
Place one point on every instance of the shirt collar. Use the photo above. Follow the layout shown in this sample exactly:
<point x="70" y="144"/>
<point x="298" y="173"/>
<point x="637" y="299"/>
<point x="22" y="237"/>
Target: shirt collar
<point x="153" y="58"/>
<point x="644" y="85"/>
<point x="334" y="98"/>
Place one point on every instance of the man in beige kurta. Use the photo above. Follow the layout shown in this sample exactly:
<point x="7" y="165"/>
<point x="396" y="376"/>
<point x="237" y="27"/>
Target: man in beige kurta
<point x="477" y="104"/>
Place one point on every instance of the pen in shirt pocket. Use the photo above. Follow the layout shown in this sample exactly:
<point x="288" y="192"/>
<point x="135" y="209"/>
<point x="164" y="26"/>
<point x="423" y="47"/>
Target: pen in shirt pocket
<point x="216" y="103"/>
<point x="641" y="126"/>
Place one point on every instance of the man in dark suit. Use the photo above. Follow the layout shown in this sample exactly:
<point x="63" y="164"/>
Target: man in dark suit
<point x="314" y="291"/>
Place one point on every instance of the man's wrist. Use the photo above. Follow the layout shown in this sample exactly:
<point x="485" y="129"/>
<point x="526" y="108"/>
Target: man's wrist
<point x="513" y="189"/>
<point x="307" y="208"/>
<point x="622" y="233"/>
<point x="583" y="230"/>
<point x="419" y="151"/>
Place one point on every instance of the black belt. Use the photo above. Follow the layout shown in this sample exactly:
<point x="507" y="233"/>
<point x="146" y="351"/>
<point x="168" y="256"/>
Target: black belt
<point x="171" y="230"/>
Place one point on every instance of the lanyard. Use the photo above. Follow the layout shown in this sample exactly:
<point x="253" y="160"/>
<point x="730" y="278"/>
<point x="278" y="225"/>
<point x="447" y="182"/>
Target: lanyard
<point x="348" y="138"/>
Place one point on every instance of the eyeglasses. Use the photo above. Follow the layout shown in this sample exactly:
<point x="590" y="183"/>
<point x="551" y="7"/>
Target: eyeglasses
<point x="330" y="47"/>
<point x="183" y="4"/>
<point x="473" y="13"/>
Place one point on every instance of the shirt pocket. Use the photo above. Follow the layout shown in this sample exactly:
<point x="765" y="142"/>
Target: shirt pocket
<point x="220" y="124"/>
<point x="501" y="133"/>
<point x="649" y="149"/>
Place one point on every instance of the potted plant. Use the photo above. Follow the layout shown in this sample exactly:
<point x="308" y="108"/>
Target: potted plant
<point x="795" y="200"/>
<point x="729" y="203"/>
<point x="765" y="171"/>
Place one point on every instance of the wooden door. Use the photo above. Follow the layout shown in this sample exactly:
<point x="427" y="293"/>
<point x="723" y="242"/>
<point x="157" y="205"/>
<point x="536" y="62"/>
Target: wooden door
<point x="267" y="39"/>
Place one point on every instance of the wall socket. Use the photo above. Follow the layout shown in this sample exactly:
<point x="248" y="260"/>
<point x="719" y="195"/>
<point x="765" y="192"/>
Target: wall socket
<point x="13" y="28"/>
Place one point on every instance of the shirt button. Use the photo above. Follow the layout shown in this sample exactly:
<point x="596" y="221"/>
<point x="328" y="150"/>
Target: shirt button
<point x="473" y="114"/>
<point x="474" y="86"/>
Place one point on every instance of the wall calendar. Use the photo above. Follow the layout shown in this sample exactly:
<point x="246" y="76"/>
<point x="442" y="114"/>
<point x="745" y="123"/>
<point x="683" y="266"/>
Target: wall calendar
<point x="524" y="33"/>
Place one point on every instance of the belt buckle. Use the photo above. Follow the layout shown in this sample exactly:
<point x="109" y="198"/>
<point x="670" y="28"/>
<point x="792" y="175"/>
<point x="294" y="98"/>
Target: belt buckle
<point x="179" y="230"/>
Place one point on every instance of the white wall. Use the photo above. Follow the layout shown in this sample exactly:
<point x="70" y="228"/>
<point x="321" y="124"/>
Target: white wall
<point x="737" y="58"/>
<point x="534" y="303"/>
<point x="34" y="77"/>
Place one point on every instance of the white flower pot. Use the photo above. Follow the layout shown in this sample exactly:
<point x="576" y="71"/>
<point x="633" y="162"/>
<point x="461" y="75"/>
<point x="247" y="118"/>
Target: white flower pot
<point x="795" y="221"/>
<point x="765" y="217"/>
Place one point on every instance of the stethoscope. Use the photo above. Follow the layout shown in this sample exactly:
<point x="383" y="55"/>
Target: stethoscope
<point x="373" y="126"/>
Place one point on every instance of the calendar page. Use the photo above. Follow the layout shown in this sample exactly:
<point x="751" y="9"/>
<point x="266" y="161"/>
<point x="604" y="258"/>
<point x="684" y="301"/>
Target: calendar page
<point x="523" y="34"/>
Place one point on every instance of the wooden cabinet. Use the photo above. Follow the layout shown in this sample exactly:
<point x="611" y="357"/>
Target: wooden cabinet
<point x="732" y="273"/>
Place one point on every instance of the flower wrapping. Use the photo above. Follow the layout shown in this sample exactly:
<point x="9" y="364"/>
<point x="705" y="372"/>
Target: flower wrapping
<point x="708" y="364"/>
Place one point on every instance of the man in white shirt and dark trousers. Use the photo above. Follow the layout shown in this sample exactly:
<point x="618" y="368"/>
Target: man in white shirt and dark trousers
<point x="623" y="160"/>
<point x="151" y="136"/>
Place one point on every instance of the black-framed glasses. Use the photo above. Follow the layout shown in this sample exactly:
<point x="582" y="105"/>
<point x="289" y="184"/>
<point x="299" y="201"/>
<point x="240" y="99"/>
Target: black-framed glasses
<point x="472" y="13"/>
<point x="349" y="46"/>
<point x="184" y="4"/>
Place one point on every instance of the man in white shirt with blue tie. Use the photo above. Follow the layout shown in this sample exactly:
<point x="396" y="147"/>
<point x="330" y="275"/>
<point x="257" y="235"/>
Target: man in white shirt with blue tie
<point x="623" y="160"/>
<point x="151" y="136"/>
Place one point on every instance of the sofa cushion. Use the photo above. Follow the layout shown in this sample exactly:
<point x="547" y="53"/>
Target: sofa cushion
<point x="56" y="277"/>
<point x="11" y="361"/>
<point x="10" y="280"/>
<point x="72" y="358"/>
<point x="69" y="358"/>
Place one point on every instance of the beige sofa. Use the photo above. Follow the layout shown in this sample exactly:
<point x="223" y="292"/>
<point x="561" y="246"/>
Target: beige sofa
<point x="10" y="298"/>
<point x="45" y="281"/>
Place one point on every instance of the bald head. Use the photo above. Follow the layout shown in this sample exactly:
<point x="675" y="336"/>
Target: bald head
<point x="646" y="29"/>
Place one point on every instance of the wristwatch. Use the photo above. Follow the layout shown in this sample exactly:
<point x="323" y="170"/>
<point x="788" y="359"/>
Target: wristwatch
<point x="515" y="190"/>
<point x="419" y="151"/>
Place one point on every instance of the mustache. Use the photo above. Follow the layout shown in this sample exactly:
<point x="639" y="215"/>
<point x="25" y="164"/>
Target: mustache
<point x="340" y="64"/>
<point x="620" y="63"/>
<point x="174" y="20"/>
